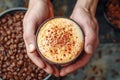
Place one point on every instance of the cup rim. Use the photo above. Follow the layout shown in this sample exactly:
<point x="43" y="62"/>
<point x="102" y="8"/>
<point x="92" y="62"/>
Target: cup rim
<point x="44" y="58"/>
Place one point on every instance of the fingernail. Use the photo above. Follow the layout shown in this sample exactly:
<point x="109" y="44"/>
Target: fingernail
<point x="62" y="74"/>
<point x="57" y="75"/>
<point x="31" y="48"/>
<point x="89" y="49"/>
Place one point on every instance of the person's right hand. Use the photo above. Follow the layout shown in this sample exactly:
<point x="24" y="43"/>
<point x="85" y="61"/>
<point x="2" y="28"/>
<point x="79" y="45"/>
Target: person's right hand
<point x="38" y="11"/>
<point x="84" y="14"/>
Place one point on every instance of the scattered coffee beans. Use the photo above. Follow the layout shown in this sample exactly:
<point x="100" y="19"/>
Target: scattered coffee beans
<point x="14" y="62"/>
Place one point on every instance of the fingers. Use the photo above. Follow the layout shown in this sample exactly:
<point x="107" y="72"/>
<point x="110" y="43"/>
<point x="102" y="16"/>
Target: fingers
<point x="29" y="27"/>
<point x="48" y="69"/>
<point x="36" y="59"/>
<point x="89" y="26"/>
<point x="29" y="37"/>
<point x="73" y="67"/>
<point x="91" y="36"/>
<point x="52" y="69"/>
<point x="35" y="15"/>
<point x="90" y="39"/>
<point x="56" y="71"/>
<point x="90" y="30"/>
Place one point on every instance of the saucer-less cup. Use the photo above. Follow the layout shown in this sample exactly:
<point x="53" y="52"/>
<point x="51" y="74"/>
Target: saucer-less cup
<point x="59" y="40"/>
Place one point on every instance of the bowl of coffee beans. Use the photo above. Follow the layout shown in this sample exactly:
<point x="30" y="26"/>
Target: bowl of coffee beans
<point x="112" y="13"/>
<point x="14" y="62"/>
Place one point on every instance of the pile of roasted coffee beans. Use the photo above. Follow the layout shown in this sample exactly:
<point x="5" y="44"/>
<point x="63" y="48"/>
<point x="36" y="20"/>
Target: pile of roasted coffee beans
<point x="14" y="62"/>
<point x="113" y="12"/>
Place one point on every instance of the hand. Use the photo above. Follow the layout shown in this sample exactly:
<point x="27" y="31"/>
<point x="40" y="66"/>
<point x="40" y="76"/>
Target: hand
<point x="86" y="19"/>
<point x="38" y="11"/>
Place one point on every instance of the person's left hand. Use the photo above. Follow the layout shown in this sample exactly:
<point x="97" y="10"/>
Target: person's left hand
<point x="88" y="23"/>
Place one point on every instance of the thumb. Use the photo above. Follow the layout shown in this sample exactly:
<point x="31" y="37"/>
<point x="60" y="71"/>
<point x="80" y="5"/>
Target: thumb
<point x="29" y="36"/>
<point x="91" y="40"/>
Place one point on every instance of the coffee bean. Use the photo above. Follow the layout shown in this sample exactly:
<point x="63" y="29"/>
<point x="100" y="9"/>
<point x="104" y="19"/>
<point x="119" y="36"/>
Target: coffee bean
<point x="13" y="64"/>
<point x="16" y="77"/>
<point x="10" y="22"/>
<point x="24" y="74"/>
<point x="17" y="16"/>
<point x="40" y="75"/>
<point x="40" y="78"/>
<point x="22" y="17"/>
<point x="9" y="37"/>
<point x="12" y="57"/>
<point x="8" y="43"/>
<point x="5" y="58"/>
<point x="4" y="77"/>
<point x="5" y="27"/>
<point x="11" y="27"/>
<point x="34" y="79"/>
<point x="3" y="20"/>
<point x="20" y="62"/>
<point x="21" y="56"/>
<point x="4" y="66"/>
<point x="7" y="63"/>
<point x="28" y="78"/>
<point x="3" y="33"/>
<point x="32" y="75"/>
<point x="25" y="69"/>
<point x="17" y="69"/>
<point x="1" y="58"/>
<point x="11" y="47"/>
<point x="5" y="39"/>
<point x="8" y="31"/>
<point x="1" y="38"/>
